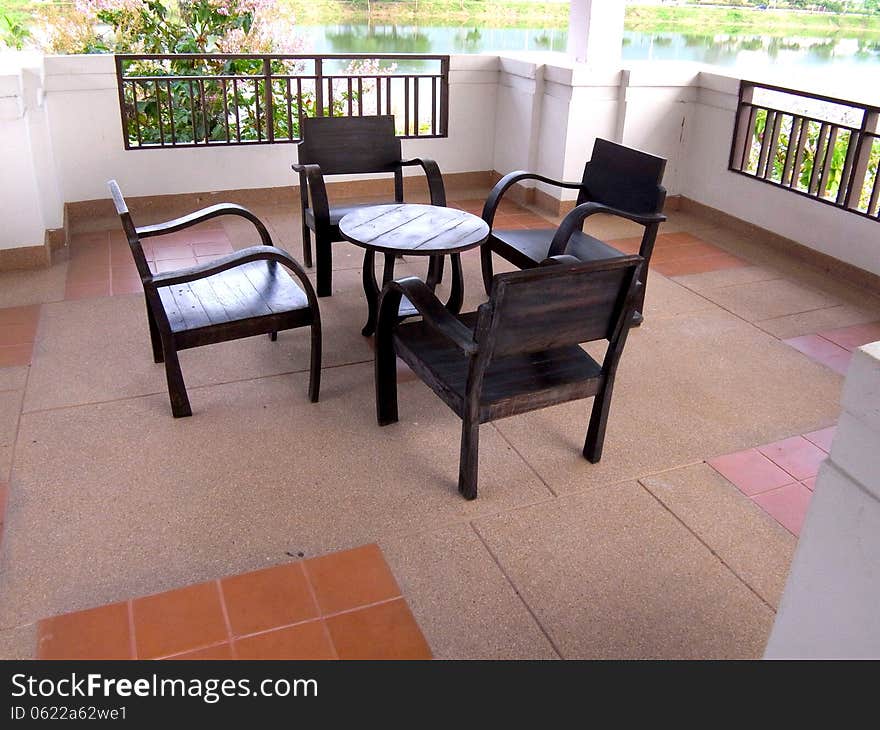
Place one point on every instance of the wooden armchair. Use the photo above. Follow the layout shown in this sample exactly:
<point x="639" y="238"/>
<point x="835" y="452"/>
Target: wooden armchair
<point x="239" y="295"/>
<point x="345" y="146"/>
<point x="617" y="180"/>
<point x="519" y="352"/>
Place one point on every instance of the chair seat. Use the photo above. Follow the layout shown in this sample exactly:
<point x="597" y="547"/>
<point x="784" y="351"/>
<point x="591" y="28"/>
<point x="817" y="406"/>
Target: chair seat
<point x="233" y="299"/>
<point x="529" y="247"/>
<point x="512" y="385"/>
<point x="338" y="212"/>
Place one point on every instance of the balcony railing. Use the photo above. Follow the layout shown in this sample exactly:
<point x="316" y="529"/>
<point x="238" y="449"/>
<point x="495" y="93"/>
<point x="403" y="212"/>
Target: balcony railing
<point x="818" y="146"/>
<point x="197" y="100"/>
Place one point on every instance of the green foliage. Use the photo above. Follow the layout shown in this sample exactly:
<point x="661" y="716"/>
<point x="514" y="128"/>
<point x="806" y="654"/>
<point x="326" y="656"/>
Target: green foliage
<point x="13" y="33"/>
<point x="811" y="141"/>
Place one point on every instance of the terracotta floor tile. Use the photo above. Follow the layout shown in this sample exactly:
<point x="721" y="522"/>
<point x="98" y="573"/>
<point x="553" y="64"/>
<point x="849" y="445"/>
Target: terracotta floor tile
<point x="796" y="455"/>
<point x="386" y="631"/>
<point x="89" y="240"/>
<point x="822" y="438"/>
<point x="174" y="622"/>
<point x="126" y="285"/>
<point x="303" y="641"/>
<point x="17" y="334"/>
<point x="223" y="651"/>
<point x="13" y="355"/>
<point x="99" y="633"/>
<point x="126" y="267"/>
<point x="699" y="265"/>
<point x="626" y="245"/>
<point x="4" y="493"/>
<point x="787" y="504"/>
<point x="87" y="291"/>
<point x="269" y="598"/>
<point x="851" y="338"/>
<point x="28" y="315"/>
<point x="810" y="483"/>
<point x="822" y="351"/>
<point x="750" y="471"/>
<point x="351" y="578"/>
<point x="679" y="238"/>
<point x="684" y="251"/>
<point x="174" y="264"/>
<point x="210" y="248"/>
<point x="178" y="251"/>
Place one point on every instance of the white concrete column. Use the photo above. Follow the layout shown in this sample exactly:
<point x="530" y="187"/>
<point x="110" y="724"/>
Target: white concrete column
<point x="830" y="605"/>
<point x="595" y="31"/>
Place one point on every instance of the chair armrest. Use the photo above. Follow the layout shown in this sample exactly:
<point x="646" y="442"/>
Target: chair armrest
<point x="318" y="191"/>
<point x="575" y="219"/>
<point x="199" y="216"/>
<point x="234" y="260"/>
<point x="435" y="178"/>
<point x="512" y="178"/>
<point x="433" y="313"/>
<point x="562" y="258"/>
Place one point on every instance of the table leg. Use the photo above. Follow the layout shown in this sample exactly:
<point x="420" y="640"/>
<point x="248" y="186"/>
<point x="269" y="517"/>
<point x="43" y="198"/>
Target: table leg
<point x="435" y="272"/>
<point x="371" y="291"/>
<point x="456" y="293"/>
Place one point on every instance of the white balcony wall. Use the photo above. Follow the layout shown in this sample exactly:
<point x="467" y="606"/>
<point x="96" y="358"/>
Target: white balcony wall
<point x="85" y="129"/>
<point x="24" y="223"/>
<point x="541" y="112"/>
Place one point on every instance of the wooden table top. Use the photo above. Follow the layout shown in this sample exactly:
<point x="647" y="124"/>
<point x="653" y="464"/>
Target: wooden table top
<point x="421" y="230"/>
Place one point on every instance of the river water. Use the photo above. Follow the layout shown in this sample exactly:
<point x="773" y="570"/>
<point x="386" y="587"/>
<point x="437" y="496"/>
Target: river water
<point x="823" y="55"/>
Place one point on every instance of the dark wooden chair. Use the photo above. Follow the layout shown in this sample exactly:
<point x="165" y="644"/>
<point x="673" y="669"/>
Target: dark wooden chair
<point x="345" y="146"/>
<point x="617" y="180"/>
<point x="518" y="352"/>
<point x="239" y="295"/>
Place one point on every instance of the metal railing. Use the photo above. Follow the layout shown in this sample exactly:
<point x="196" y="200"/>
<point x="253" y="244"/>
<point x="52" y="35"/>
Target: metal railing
<point x="207" y="100"/>
<point x="819" y="146"/>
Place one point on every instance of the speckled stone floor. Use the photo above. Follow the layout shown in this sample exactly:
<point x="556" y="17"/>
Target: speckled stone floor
<point x="650" y="553"/>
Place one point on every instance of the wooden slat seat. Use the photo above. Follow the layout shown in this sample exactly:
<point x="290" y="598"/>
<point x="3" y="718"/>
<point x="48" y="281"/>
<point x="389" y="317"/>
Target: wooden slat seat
<point x="518" y="352"/>
<point x="511" y="385"/>
<point x="246" y="293"/>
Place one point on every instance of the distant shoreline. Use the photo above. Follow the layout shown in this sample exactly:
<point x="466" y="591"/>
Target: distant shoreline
<point x="646" y="18"/>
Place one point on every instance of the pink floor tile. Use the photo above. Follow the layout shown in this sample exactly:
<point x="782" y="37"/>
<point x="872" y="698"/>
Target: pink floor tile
<point x="750" y="471"/>
<point x="822" y="351"/>
<point x="796" y="455"/>
<point x="855" y="336"/>
<point x="788" y="505"/>
<point x="822" y="438"/>
<point x="810" y="483"/>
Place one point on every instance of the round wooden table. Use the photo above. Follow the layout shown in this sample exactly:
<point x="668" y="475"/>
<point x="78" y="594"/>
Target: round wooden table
<point x="412" y="230"/>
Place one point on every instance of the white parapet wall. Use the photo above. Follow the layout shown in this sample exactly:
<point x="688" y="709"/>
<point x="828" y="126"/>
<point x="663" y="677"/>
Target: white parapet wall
<point x="62" y="140"/>
<point x="831" y="604"/>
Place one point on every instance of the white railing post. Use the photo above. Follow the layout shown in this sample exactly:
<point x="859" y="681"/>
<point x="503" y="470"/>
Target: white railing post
<point x="595" y="31"/>
<point x="829" y="608"/>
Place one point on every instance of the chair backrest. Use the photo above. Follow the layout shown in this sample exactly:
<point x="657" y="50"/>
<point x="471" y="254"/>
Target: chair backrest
<point x="623" y="178"/>
<point x="134" y="241"/>
<point x="350" y="145"/>
<point x="554" y="306"/>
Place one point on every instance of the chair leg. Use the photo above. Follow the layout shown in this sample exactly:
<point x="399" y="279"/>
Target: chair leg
<point x="307" y="245"/>
<point x="324" y="261"/>
<point x="315" y="368"/>
<point x="180" y="407"/>
<point x="273" y="336"/>
<point x="155" y="337"/>
<point x="486" y="262"/>
<point x="638" y="317"/>
<point x="598" y="420"/>
<point x="386" y="381"/>
<point x="469" y="459"/>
